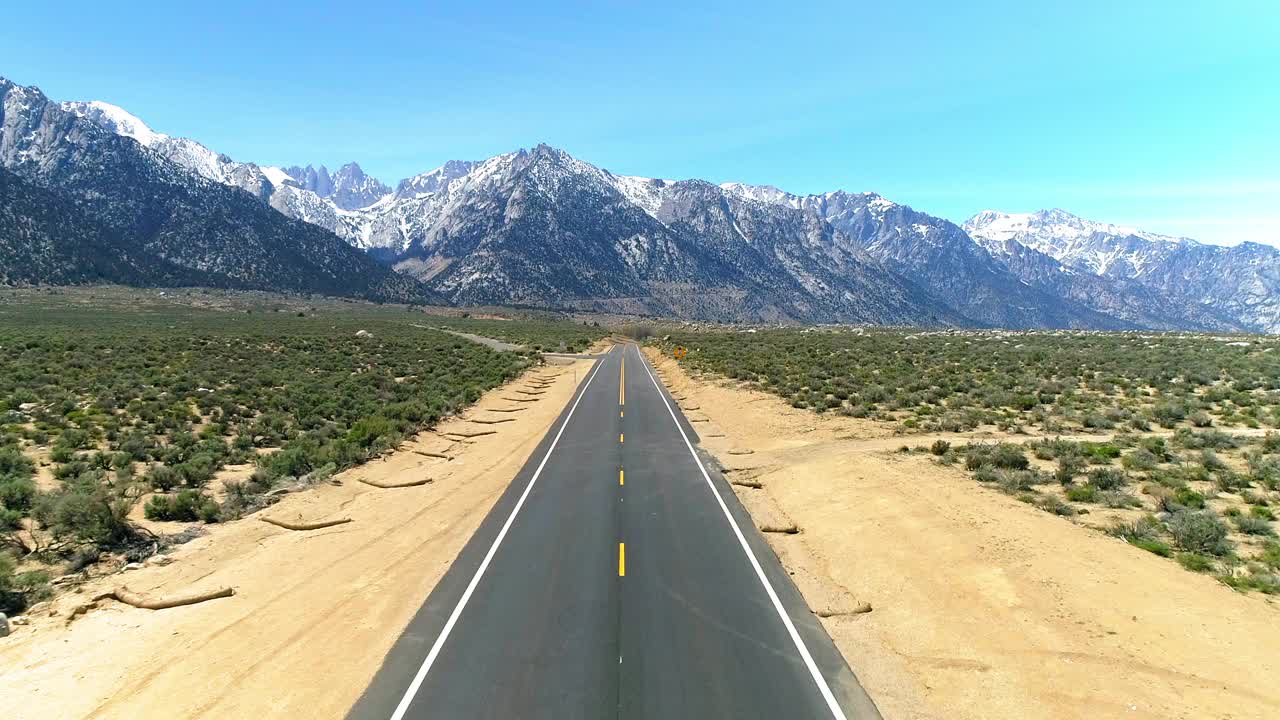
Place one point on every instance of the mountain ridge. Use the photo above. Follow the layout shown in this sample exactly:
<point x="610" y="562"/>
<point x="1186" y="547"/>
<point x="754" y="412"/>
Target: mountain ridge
<point x="539" y="226"/>
<point x="1240" y="282"/>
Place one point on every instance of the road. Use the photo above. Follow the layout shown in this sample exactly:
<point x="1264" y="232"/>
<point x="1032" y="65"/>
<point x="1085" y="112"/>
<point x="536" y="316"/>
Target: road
<point x="617" y="577"/>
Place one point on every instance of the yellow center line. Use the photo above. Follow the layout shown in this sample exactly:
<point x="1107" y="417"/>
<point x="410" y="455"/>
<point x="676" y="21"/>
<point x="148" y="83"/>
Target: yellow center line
<point x="621" y="477"/>
<point x="621" y="437"/>
<point x="622" y="559"/>
<point x="622" y="380"/>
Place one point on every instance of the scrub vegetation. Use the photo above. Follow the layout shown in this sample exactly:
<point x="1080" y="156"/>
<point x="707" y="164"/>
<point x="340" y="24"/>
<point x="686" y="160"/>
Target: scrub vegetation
<point x="1185" y="463"/>
<point x="114" y="400"/>
<point x="1205" y="498"/>
<point x="1048" y="381"/>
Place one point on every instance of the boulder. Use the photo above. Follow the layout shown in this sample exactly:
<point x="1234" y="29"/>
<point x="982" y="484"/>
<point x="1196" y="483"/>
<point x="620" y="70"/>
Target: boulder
<point x="4" y="625"/>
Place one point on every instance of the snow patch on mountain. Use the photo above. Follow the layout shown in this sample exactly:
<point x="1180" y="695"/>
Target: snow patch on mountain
<point x="115" y="119"/>
<point x="646" y="193"/>
<point x="278" y="176"/>
<point x="1099" y="248"/>
<point x="762" y="193"/>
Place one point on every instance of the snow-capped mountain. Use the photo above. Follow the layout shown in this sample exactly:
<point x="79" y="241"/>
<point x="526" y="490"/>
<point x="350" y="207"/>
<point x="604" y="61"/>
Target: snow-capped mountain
<point x="1239" y="284"/>
<point x="187" y="153"/>
<point x="542" y="227"/>
<point x="306" y="194"/>
<point x="1098" y="248"/>
<point x="940" y="257"/>
<point x="90" y="194"/>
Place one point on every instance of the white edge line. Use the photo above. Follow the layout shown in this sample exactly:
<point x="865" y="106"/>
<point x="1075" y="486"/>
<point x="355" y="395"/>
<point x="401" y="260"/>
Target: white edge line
<point x="755" y="564"/>
<point x="421" y="675"/>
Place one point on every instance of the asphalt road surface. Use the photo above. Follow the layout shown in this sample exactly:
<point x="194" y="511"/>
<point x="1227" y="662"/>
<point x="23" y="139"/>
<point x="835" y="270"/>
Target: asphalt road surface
<point x="617" y="577"/>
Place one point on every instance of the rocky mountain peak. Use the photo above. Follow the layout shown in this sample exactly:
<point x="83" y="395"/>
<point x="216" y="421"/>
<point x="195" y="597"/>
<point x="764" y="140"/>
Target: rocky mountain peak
<point x="352" y="189"/>
<point x="434" y="181"/>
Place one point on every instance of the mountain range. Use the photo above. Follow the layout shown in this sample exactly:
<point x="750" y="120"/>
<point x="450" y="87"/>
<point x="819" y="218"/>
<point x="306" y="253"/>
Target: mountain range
<point x="117" y="201"/>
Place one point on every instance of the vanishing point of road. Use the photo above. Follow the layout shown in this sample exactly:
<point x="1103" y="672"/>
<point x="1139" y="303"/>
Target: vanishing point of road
<point x="617" y="577"/>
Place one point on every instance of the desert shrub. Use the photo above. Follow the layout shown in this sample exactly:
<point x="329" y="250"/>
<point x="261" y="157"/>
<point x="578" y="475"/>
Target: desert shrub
<point x="185" y="506"/>
<point x="1195" y="562"/>
<point x="1001" y="455"/>
<point x="1199" y="531"/>
<point x="1211" y="439"/>
<point x="1270" y="555"/>
<point x="16" y="493"/>
<point x="1188" y="498"/>
<point x="1271" y="443"/>
<point x="1144" y="533"/>
<point x="1098" y="421"/>
<point x="87" y="513"/>
<point x="1082" y="493"/>
<point x="1117" y="499"/>
<point x="987" y="474"/>
<point x="18" y="590"/>
<point x="1210" y="460"/>
<point x="1251" y="525"/>
<point x="1229" y="481"/>
<point x="368" y="431"/>
<point x="1264" y="470"/>
<point x="1169" y="414"/>
<point x="1015" y="481"/>
<point x="1260" y="581"/>
<point x="73" y="439"/>
<point x="1157" y="447"/>
<point x="1069" y="466"/>
<point x="163" y="478"/>
<point x="1159" y="547"/>
<point x="939" y="447"/>
<point x="1053" y="504"/>
<point x="1139" y="459"/>
<point x="13" y="464"/>
<point x="199" y="470"/>
<point x="1099" y="453"/>
<point x="1107" y="478"/>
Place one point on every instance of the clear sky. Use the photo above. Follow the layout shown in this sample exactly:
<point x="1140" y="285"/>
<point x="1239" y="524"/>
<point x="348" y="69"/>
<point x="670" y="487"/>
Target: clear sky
<point x="1164" y="115"/>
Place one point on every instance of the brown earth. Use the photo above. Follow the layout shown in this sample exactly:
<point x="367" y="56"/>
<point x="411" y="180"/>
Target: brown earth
<point x="982" y="606"/>
<point x="314" y="611"/>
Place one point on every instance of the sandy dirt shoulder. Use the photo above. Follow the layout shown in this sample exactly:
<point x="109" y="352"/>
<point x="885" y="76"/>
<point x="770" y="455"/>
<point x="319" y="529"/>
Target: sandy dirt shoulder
<point x="314" y="612"/>
<point x="982" y="606"/>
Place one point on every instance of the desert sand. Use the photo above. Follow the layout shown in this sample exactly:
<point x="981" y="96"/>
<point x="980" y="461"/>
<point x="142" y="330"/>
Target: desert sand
<point x="981" y="606"/>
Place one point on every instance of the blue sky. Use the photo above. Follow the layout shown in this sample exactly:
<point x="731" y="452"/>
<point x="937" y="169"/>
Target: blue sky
<point x="1164" y="115"/>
